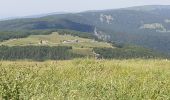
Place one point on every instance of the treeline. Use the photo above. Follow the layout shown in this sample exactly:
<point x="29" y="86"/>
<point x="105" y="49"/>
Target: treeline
<point x="11" y="35"/>
<point x="41" y="53"/>
<point x="77" y="33"/>
<point x="36" y="53"/>
<point x="22" y="34"/>
<point x="127" y="53"/>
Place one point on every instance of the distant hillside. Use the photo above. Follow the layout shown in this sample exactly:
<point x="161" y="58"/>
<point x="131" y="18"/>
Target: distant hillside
<point x="147" y="26"/>
<point x="61" y="45"/>
<point x="43" y="24"/>
<point x="149" y="8"/>
<point x="67" y="44"/>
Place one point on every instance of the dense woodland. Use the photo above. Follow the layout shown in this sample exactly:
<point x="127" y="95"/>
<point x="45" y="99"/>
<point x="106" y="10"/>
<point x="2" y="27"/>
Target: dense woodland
<point x="24" y="33"/>
<point x="36" y="53"/>
<point x="41" y="53"/>
<point x="77" y="33"/>
<point x="127" y="53"/>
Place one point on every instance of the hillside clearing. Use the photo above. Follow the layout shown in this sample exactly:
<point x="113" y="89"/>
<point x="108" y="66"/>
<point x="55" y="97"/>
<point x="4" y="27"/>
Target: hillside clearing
<point x="55" y="39"/>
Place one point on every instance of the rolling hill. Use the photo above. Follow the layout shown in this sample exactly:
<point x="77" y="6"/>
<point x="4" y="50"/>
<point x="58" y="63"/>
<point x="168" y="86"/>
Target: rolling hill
<point x="68" y="44"/>
<point x="147" y="26"/>
<point x="83" y="46"/>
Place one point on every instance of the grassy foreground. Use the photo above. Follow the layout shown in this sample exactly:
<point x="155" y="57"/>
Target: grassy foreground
<point x="85" y="79"/>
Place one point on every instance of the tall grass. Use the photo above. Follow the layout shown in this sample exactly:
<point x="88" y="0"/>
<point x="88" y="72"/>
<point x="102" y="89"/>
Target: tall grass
<point x="85" y="79"/>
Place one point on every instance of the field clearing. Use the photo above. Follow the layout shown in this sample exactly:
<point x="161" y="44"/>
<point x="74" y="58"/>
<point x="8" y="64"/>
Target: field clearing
<point x="86" y="79"/>
<point x="55" y="39"/>
<point x="82" y="46"/>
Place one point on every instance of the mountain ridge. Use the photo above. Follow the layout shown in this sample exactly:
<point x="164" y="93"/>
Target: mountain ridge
<point x="147" y="28"/>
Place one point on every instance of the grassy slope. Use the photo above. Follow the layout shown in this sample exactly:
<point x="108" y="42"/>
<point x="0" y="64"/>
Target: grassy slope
<point x="86" y="79"/>
<point x="55" y="39"/>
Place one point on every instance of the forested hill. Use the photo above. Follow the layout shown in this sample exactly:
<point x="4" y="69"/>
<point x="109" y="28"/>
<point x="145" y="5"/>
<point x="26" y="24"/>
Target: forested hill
<point x="147" y="26"/>
<point x="69" y="44"/>
<point x="29" y="24"/>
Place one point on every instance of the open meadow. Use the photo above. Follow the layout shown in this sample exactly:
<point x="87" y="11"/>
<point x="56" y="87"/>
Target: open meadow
<point x="85" y="79"/>
<point x="84" y="50"/>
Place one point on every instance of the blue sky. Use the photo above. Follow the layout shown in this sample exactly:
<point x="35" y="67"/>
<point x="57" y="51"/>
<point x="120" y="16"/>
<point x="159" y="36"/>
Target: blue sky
<point x="12" y="8"/>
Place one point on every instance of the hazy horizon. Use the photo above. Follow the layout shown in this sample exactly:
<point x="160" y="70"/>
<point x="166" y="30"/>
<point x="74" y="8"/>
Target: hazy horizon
<point x="20" y="8"/>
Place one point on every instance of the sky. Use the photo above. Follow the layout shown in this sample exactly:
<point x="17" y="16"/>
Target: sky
<point x="17" y="8"/>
